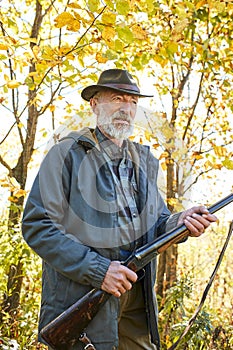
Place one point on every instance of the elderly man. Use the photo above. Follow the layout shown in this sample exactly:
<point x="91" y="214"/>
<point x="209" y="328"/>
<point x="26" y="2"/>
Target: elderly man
<point x="95" y="200"/>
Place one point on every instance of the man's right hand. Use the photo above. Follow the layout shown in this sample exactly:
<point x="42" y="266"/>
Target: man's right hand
<point x="118" y="279"/>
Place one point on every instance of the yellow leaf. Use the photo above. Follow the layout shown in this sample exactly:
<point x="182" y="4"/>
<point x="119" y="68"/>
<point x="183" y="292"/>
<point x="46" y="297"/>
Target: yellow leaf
<point x="64" y="19"/>
<point x="139" y="32"/>
<point x="164" y="155"/>
<point x="108" y="18"/>
<point x="74" y="5"/>
<point x="31" y="40"/>
<point x="200" y="4"/>
<point x="220" y="151"/>
<point x="74" y="26"/>
<point x="197" y="155"/>
<point x="52" y="108"/>
<point x="4" y="185"/>
<point x="13" y="199"/>
<point x="3" y="47"/>
<point x="36" y="50"/>
<point x="172" y="201"/>
<point x="20" y="193"/>
<point x="180" y="26"/>
<point x="208" y="164"/>
<point x="147" y="135"/>
<point x="108" y="33"/>
<point x="164" y="166"/>
<point x="100" y="58"/>
<point x="217" y="166"/>
<point x="13" y="84"/>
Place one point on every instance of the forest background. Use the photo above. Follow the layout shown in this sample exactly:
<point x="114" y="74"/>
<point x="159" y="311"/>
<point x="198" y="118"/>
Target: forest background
<point x="182" y="52"/>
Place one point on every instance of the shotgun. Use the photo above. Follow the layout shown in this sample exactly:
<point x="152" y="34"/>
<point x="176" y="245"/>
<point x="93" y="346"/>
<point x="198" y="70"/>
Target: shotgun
<point x="66" y="329"/>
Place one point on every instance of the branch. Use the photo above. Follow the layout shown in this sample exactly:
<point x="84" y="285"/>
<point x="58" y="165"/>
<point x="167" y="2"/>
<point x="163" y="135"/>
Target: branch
<point x="86" y="31"/>
<point x="33" y="94"/>
<point x="196" y="179"/>
<point x="6" y="165"/>
<point x="53" y="93"/>
<point x="14" y="92"/>
<point x="7" y="134"/>
<point x="193" y="108"/>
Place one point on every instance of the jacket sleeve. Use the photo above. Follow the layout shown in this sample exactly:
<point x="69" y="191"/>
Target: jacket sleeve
<point x="43" y="230"/>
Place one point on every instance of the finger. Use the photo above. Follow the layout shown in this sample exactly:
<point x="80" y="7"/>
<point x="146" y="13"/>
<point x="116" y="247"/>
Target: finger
<point x="194" y="226"/>
<point x="210" y="217"/>
<point x="200" y="220"/>
<point x="204" y="213"/>
<point x="117" y="294"/>
<point x="127" y="285"/>
<point x="129" y="274"/>
<point x="121" y="290"/>
<point x="201" y="209"/>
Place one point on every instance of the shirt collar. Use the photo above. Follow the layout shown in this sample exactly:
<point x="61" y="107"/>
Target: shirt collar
<point x="110" y="148"/>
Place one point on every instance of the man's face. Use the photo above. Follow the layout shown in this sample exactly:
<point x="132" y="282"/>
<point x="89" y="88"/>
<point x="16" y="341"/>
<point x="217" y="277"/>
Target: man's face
<point x="115" y="113"/>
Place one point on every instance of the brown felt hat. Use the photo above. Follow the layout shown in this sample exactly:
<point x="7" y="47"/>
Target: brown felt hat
<point x="115" y="79"/>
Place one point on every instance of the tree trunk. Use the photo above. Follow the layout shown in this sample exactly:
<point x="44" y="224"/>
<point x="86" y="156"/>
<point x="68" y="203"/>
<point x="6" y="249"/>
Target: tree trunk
<point x="12" y="297"/>
<point x="167" y="266"/>
<point x="11" y="300"/>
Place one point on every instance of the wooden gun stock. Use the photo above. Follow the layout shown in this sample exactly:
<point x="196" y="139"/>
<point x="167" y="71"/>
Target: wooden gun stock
<point x="65" y="330"/>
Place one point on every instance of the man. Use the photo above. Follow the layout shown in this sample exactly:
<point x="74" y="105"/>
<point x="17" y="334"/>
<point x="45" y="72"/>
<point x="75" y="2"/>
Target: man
<point x="95" y="200"/>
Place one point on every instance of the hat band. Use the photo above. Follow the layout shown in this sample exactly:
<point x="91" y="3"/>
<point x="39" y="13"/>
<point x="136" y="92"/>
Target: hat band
<point x="124" y="86"/>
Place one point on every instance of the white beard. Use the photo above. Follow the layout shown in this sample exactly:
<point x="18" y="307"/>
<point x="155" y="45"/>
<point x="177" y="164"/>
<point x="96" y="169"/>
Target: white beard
<point x="112" y="128"/>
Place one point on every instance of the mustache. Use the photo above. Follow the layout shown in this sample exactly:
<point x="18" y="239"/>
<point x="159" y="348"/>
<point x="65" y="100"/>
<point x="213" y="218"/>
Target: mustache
<point x="121" y="115"/>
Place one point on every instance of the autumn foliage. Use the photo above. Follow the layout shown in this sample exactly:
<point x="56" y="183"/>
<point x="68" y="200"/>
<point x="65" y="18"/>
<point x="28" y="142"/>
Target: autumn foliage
<point x="181" y="51"/>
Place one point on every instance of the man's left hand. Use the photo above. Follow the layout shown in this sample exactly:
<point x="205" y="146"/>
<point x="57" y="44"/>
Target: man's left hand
<point x="196" y="219"/>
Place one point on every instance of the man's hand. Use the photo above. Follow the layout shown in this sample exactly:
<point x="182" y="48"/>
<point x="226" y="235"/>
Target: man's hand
<point x="196" y="219"/>
<point x="118" y="279"/>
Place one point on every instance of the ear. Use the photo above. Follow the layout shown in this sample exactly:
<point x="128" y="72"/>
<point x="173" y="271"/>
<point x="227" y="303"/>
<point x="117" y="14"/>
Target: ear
<point x="93" y="104"/>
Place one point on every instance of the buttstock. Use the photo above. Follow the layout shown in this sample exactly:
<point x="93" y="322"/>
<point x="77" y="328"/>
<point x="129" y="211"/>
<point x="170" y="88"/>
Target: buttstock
<point x="65" y="329"/>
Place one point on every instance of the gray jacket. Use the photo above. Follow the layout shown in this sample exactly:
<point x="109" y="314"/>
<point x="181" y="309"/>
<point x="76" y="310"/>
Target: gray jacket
<point x="70" y="221"/>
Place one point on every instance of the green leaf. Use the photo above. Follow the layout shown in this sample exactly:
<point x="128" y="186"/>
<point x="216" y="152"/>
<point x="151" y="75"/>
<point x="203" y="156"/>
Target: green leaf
<point x="2" y="57"/>
<point x="125" y="34"/>
<point x="119" y="46"/>
<point x="172" y="47"/>
<point x="111" y="55"/>
<point x="228" y="163"/>
<point x="110" y="4"/>
<point x="122" y="7"/>
<point x="93" y="5"/>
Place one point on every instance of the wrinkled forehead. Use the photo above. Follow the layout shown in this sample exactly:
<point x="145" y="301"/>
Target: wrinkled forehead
<point x="110" y="94"/>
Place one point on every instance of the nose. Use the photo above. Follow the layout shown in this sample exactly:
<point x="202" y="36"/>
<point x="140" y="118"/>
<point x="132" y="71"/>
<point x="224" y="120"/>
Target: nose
<point x="128" y="108"/>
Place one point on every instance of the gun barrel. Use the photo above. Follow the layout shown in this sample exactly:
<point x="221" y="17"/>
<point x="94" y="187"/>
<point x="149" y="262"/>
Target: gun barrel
<point x="144" y="254"/>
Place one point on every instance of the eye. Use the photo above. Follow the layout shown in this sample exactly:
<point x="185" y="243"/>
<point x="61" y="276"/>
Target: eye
<point x="117" y="98"/>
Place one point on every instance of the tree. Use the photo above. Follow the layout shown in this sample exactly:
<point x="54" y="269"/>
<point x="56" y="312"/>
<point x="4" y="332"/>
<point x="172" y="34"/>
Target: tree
<point x="196" y="50"/>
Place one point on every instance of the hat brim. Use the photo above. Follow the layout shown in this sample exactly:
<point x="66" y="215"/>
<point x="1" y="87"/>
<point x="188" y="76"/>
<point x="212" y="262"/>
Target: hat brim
<point x="91" y="90"/>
